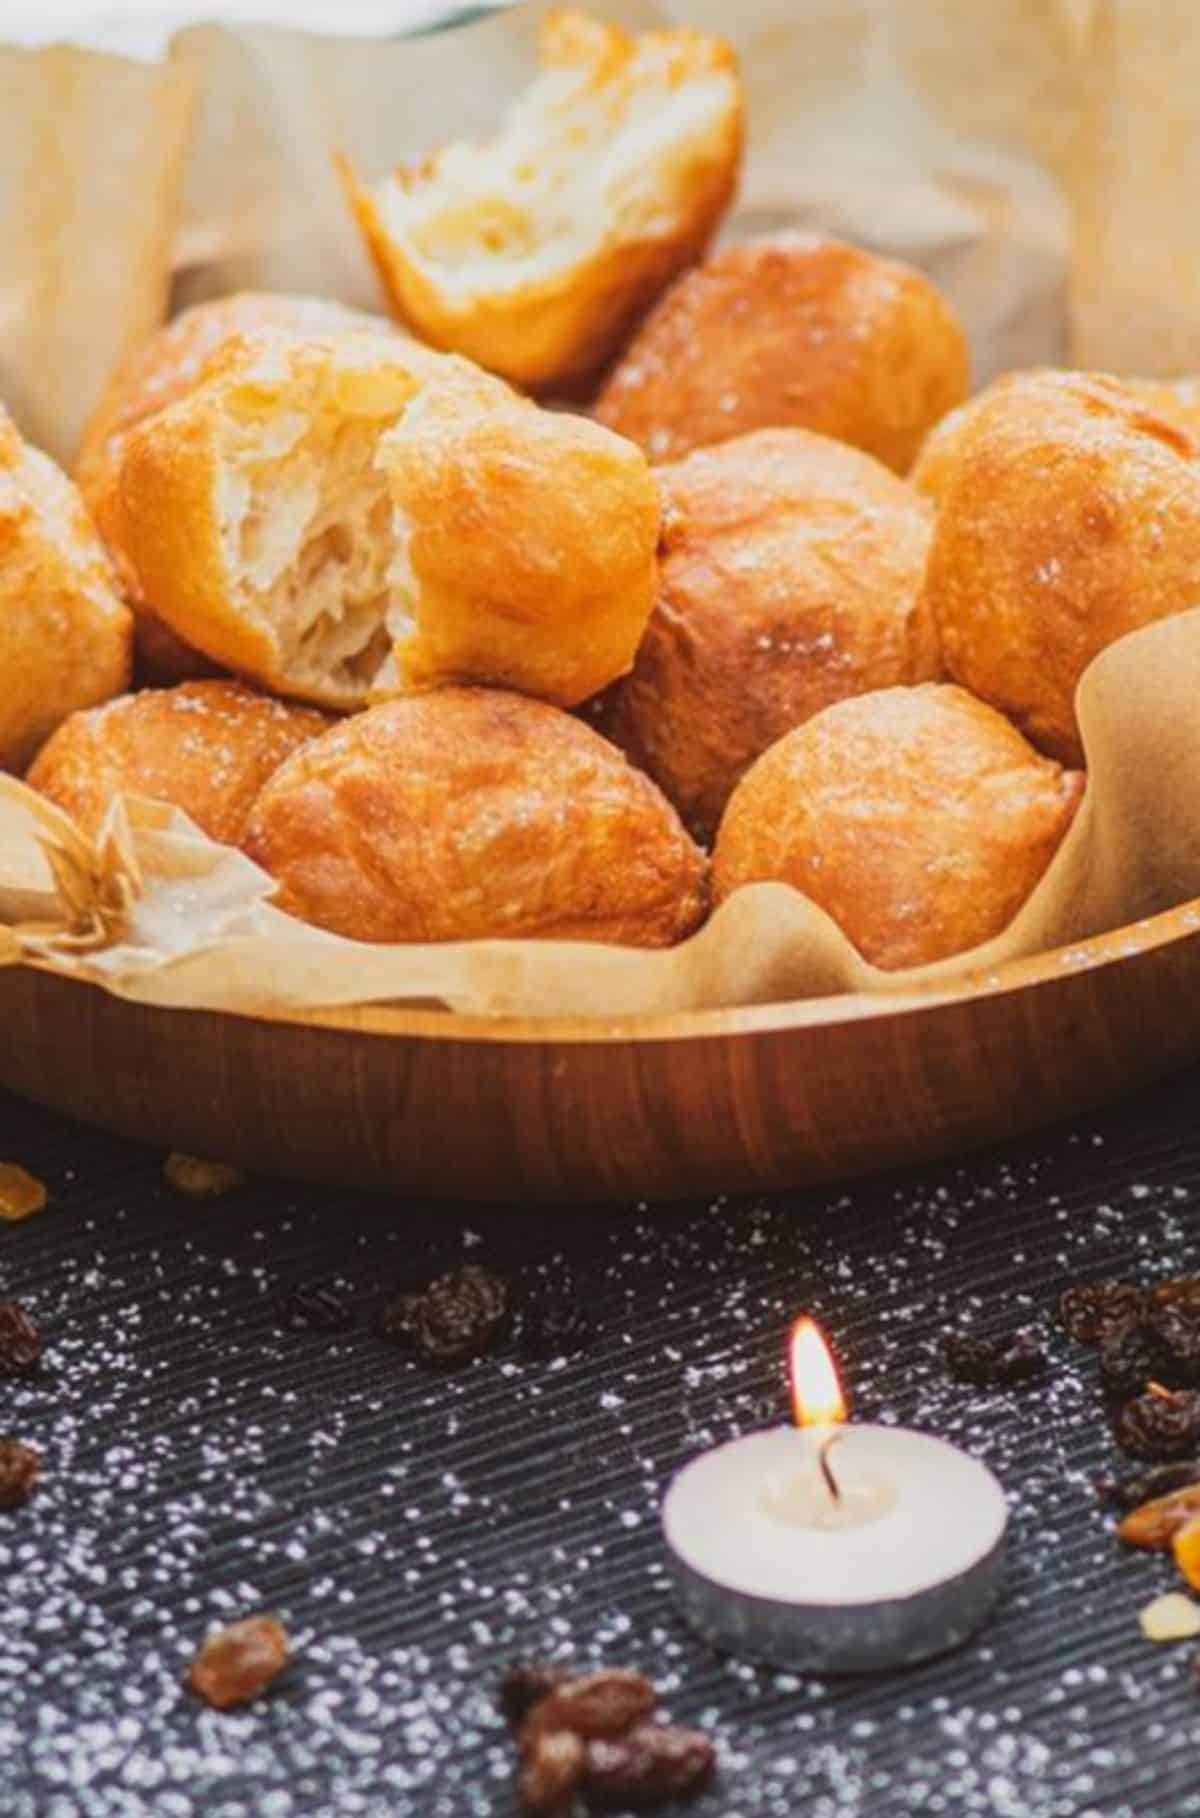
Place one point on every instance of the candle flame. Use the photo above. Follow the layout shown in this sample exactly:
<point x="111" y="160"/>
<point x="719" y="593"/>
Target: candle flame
<point x="817" y="1398"/>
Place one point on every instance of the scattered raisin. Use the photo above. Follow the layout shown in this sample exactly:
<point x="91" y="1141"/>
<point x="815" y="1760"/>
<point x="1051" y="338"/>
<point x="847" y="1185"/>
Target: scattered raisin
<point x="551" y="1775"/>
<point x="314" y="1307"/>
<point x="20" y="1341"/>
<point x="605" y="1703"/>
<point x="1183" y="1292"/>
<point x="1126" y="1493"/>
<point x="551" y="1321"/>
<point x="523" y="1684"/>
<point x="457" y="1317"/>
<point x="199" y="1179"/>
<point x="1185" y="1544"/>
<point x="1089" y="1309"/>
<point x="1154" y="1524"/>
<point x="1172" y="1616"/>
<point x="21" y="1193"/>
<point x="1173" y="1326"/>
<point x="591" y="1733"/>
<point x="653" y="1764"/>
<point x="1129" y="1359"/>
<point x="1161" y="1424"/>
<point x="994" y="1363"/>
<point x="235" y="1664"/>
<point x="20" y="1469"/>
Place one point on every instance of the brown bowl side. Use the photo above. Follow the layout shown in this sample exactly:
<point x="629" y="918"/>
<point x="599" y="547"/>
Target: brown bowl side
<point x="658" y="1108"/>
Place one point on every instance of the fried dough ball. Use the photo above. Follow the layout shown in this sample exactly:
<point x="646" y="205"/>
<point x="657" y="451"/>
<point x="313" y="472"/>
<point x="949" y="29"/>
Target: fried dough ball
<point x="917" y="818"/>
<point x="154" y="376"/>
<point x="344" y="517"/>
<point x="206" y="747"/>
<point x="66" y="636"/>
<point x="790" y="570"/>
<point x="536" y="252"/>
<point x="791" y="330"/>
<point x="467" y="813"/>
<point x="1068" y="514"/>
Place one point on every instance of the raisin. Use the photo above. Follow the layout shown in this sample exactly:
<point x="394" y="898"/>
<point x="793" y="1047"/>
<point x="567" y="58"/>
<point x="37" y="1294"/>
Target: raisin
<point x="20" y="1341"/>
<point x="314" y="1307"/>
<point x="1088" y="1309"/>
<point x="20" y="1469"/>
<point x="1174" y="1328"/>
<point x="1127" y="1493"/>
<point x="551" y="1321"/>
<point x="1161" y="1424"/>
<point x="1155" y="1523"/>
<point x="199" y="1179"/>
<point x="1182" y="1292"/>
<point x="1185" y="1545"/>
<point x="523" y="1684"/>
<point x="21" y="1194"/>
<point x="457" y="1317"/>
<point x="605" y="1703"/>
<point x="1129" y="1358"/>
<point x="551" y="1775"/>
<point x="994" y="1363"/>
<point x="1170" y="1617"/>
<point x="235" y="1664"/>
<point x="650" y="1766"/>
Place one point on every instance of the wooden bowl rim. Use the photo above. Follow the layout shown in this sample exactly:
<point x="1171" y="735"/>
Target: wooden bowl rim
<point x="1131" y="941"/>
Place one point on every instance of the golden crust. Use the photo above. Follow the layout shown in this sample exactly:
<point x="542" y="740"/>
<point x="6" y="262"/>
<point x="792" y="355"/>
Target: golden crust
<point x="1178" y="400"/>
<point x="520" y="253"/>
<point x="165" y="368"/>
<point x="465" y="535"/>
<point x="791" y="330"/>
<point x="939" y="451"/>
<point x="532" y="547"/>
<point x="204" y="747"/>
<point x="65" y="635"/>
<point x="1068" y="515"/>
<point x="790" y="570"/>
<point x="464" y="814"/>
<point x="917" y="818"/>
<point x="166" y="527"/>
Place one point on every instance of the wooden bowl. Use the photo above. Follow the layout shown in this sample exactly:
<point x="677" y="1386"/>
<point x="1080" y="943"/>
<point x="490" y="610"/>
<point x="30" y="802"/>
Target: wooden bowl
<point x="652" y="1107"/>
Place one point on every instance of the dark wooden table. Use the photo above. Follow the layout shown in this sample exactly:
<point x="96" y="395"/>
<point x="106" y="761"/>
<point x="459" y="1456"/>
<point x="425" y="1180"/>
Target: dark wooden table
<point x="417" y="1531"/>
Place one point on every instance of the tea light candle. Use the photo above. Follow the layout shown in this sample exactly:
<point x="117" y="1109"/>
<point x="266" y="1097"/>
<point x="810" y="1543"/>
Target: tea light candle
<point x="835" y="1547"/>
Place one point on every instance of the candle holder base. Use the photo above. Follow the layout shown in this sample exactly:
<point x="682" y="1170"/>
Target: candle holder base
<point x="846" y="1638"/>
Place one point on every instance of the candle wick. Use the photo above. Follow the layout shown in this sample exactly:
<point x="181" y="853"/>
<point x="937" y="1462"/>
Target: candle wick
<point x="826" y="1470"/>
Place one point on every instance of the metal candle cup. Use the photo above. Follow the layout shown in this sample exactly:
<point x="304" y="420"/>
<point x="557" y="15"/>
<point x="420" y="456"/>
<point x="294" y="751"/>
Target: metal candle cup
<point x="901" y="1557"/>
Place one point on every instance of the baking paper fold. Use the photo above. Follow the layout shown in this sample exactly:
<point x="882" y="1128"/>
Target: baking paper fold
<point x="200" y="931"/>
<point x="1030" y="154"/>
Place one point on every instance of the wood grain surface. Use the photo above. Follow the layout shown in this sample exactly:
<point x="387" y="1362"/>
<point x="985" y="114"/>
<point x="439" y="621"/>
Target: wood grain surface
<point x="657" y="1108"/>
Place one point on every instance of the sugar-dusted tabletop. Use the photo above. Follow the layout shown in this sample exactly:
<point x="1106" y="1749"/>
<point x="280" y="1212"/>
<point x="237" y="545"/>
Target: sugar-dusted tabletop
<point x="417" y="1531"/>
